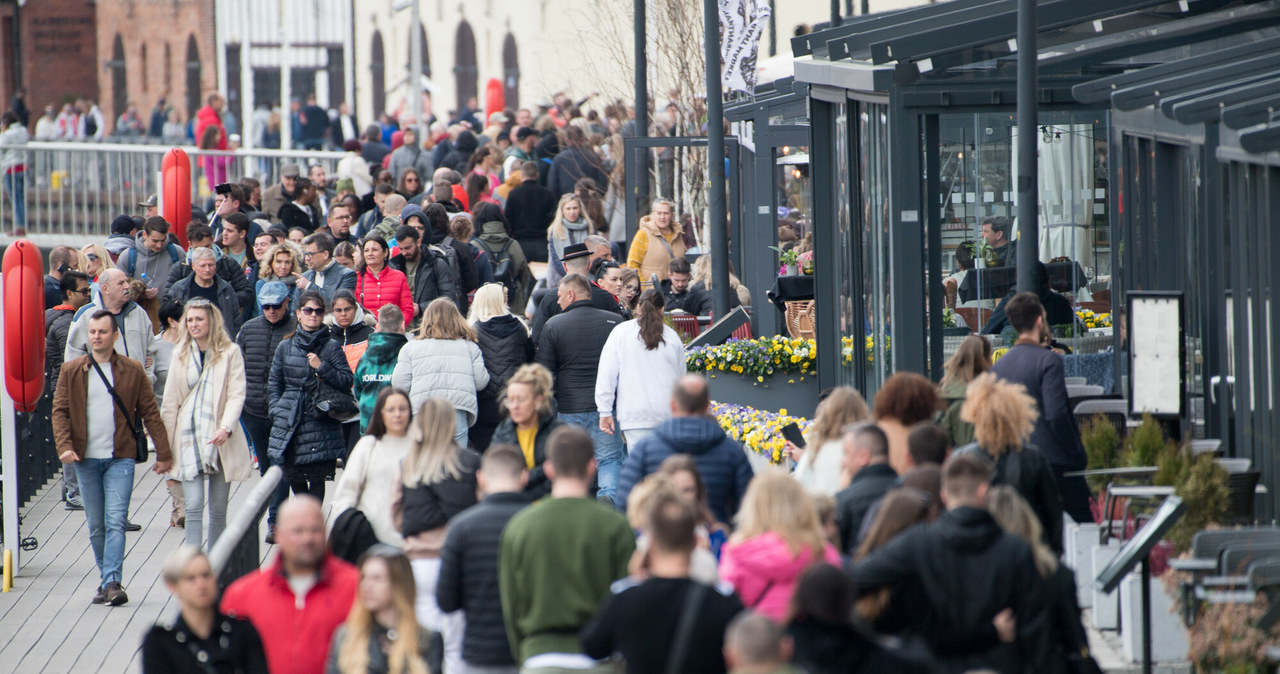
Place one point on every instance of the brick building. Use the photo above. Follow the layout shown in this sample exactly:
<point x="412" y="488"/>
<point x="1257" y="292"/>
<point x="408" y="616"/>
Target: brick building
<point x="54" y="54"/>
<point x="149" y="49"/>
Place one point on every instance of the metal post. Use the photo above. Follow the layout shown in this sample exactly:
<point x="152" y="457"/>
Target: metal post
<point x="286" y="83"/>
<point x="717" y="220"/>
<point x="835" y="13"/>
<point x="415" y="73"/>
<point x="1028" y="170"/>
<point x="9" y="463"/>
<point x="642" y="105"/>
<point x="1146" y="614"/>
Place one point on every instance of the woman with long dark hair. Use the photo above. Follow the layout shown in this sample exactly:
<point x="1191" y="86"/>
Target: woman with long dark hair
<point x="373" y="464"/>
<point x="378" y="284"/>
<point x="409" y="184"/>
<point x="639" y="365"/>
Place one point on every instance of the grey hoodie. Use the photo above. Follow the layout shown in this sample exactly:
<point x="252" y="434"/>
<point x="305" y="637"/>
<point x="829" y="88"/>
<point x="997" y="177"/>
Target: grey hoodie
<point x="578" y="232"/>
<point x="137" y="341"/>
<point x="155" y="265"/>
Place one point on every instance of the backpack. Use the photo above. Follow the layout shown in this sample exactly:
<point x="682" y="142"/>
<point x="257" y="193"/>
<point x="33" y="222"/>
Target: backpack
<point x="445" y="250"/>
<point x="501" y="264"/>
<point x="130" y="264"/>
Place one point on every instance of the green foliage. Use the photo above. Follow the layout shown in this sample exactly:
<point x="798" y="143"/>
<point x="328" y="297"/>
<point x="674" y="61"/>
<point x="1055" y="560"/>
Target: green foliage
<point x="1203" y="486"/>
<point x="1146" y="444"/>
<point x="1102" y="446"/>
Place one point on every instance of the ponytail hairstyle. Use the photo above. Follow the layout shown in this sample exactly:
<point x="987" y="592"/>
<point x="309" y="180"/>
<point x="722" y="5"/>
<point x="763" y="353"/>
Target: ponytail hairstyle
<point x="649" y="315"/>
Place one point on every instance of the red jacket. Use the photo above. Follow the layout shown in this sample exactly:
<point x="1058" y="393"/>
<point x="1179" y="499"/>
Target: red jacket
<point x="296" y="640"/>
<point x="206" y="116"/>
<point x="386" y="287"/>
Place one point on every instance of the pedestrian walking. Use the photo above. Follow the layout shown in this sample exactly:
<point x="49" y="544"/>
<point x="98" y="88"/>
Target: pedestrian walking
<point x="373" y="372"/>
<point x="201" y="638"/>
<point x="639" y="365"/>
<point x="504" y="346"/>
<point x="381" y="633"/>
<point x="819" y="464"/>
<point x="203" y="400"/>
<point x="971" y="359"/>
<point x="531" y="419"/>
<point x="378" y="284"/>
<point x="99" y="405"/>
<point x="370" y="471"/>
<point x="304" y="439"/>
<point x="74" y="290"/>
<point x="444" y="362"/>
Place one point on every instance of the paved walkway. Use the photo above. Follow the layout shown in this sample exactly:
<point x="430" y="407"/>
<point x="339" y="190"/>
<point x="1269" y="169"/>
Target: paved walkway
<point x="47" y="623"/>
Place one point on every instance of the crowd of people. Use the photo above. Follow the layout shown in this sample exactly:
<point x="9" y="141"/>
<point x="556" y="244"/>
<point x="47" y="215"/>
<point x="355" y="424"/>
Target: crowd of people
<point x="526" y="479"/>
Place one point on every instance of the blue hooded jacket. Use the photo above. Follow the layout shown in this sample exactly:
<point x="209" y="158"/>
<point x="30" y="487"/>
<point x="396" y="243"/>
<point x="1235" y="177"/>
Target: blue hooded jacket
<point x="721" y="460"/>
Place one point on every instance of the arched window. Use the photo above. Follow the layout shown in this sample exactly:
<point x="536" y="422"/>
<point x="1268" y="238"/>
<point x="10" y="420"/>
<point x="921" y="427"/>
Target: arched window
<point x="464" y="59"/>
<point x="143" y="74"/>
<point x="193" y="76"/>
<point x="119" y="78"/>
<point x="377" y="70"/>
<point x="511" y="72"/>
<point x="168" y="71"/>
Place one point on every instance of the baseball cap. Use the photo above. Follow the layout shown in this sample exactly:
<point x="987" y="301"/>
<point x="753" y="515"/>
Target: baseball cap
<point x="123" y="224"/>
<point x="290" y="170"/>
<point x="273" y="292"/>
<point x="525" y="132"/>
<point x="498" y="118"/>
<point x="150" y="202"/>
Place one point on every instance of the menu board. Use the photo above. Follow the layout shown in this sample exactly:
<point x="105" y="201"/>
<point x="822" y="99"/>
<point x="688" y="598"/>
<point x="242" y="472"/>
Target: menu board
<point x="1157" y="354"/>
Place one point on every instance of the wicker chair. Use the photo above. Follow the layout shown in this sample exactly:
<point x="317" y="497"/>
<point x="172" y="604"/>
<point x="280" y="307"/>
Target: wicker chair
<point x="801" y="319"/>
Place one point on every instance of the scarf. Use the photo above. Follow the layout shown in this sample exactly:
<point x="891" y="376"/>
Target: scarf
<point x="199" y="456"/>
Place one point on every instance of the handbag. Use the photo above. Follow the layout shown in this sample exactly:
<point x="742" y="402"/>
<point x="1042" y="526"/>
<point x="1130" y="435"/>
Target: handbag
<point x="139" y="435"/>
<point x="334" y="403"/>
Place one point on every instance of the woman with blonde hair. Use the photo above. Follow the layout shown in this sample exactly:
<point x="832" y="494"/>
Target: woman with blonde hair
<point x="381" y="633"/>
<point x="970" y="360"/>
<point x="445" y="362"/>
<point x="531" y="418"/>
<point x="437" y="481"/>
<point x="282" y="263"/>
<point x="202" y="639"/>
<point x="570" y="225"/>
<point x="658" y="240"/>
<point x="818" y="464"/>
<point x="702" y="277"/>
<point x="504" y="346"/>
<point x="778" y="536"/>
<point x="702" y="564"/>
<point x="1015" y="516"/>
<point x="95" y="260"/>
<point x="203" y="397"/>
<point x="1003" y="417"/>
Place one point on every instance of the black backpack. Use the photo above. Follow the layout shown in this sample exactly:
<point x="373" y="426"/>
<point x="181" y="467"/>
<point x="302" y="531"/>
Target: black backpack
<point x="504" y="271"/>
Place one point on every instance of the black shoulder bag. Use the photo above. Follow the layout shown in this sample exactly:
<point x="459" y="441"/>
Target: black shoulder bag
<point x="684" y="628"/>
<point x="139" y="435"/>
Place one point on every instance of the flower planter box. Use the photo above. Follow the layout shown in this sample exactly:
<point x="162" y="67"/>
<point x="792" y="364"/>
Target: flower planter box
<point x="1080" y="540"/>
<point x="774" y="393"/>
<point x="1168" y="636"/>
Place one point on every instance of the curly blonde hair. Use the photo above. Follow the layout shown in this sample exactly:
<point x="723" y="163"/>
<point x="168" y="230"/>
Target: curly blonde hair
<point x="1002" y="413"/>
<point x="266" y="266"/>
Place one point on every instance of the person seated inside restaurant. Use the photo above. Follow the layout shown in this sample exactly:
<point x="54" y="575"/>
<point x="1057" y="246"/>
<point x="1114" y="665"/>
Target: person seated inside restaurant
<point x="1057" y="308"/>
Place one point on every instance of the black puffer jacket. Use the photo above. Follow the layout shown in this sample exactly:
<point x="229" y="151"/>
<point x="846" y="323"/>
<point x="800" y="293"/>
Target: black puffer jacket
<point x="1028" y="471"/>
<point x="538" y="485"/>
<point x="570" y="346"/>
<point x="258" y="340"/>
<point x="826" y="648"/>
<point x="228" y="271"/>
<point x="852" y="503"/>
<point x="427" y="507"/>
<point x="315" y="437"/>
<point x="355" y="333"/>
<point x="505" y="345"/>
<point x="469" y="577"/>
<point x="465" y="144"/>
<point x="57" y="323"/>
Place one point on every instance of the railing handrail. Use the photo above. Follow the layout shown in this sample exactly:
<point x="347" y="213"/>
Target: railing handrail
<point x="160" y="149"/>
<point x="248" y="515"/>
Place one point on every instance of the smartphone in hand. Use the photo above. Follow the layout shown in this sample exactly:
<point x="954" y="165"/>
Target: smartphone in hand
<point x="793" y="435"/>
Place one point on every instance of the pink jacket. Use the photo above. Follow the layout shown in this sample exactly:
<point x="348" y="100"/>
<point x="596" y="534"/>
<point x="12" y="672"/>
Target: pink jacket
<point x="764" y="572"/>
<point x="386" y="287"/>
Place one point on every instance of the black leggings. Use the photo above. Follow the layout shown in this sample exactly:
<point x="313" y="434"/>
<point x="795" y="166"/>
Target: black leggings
<point x="308" y="487"/>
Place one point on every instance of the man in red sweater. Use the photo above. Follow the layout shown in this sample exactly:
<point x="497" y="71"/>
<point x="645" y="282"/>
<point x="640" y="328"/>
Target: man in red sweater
<point x="298" y="601"/>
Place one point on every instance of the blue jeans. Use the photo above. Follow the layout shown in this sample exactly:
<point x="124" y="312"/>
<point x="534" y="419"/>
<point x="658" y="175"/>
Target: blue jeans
<point x="106" y="486"/>
<point x="15" y="187"/>
<point x="259" y="431"/>
<point x="462" y="432"/>
<point x="609" y="454"/>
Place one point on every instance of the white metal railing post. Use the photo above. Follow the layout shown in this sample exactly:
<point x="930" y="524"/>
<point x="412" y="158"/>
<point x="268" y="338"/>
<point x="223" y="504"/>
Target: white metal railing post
<point x="9" y="463"/>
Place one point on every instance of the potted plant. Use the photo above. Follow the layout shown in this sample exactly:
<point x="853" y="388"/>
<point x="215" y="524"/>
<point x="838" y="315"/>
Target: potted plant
<point x="789" y="259"/>
<point x="983" y="253"/>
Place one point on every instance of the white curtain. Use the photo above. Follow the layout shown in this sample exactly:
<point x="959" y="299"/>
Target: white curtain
<point x="1066" y="191"/>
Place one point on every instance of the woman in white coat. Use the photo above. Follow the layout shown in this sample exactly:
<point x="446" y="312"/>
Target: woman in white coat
<point x="639" y="366"/>
<point x="443" y="362"/>
<point x="203" y="397"/>
<point x="370" y="472"/>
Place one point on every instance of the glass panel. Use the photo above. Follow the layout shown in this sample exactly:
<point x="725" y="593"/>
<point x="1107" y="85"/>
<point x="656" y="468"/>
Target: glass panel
<point x="795" y="211"/>
<point x="873" y="140"/>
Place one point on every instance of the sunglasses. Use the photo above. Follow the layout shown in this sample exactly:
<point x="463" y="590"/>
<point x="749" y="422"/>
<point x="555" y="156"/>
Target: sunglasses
<point x="312" y="311"/>
<point x="273" y="307"/>
<point x="80" y="291"/>
<point x="93" y="258"/>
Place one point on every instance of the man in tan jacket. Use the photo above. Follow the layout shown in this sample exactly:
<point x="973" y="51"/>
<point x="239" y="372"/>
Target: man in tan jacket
<point x="92" y="433"/>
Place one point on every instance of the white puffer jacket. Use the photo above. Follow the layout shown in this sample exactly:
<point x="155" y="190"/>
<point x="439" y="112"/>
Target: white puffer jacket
<point x="452" y="369"/>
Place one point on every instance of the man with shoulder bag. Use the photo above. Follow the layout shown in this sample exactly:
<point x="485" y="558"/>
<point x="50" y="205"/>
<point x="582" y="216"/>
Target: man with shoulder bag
<point x="99" y="407"/>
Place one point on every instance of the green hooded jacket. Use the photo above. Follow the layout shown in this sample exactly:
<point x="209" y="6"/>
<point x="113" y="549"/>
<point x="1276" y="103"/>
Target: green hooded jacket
<point x="373" y="372"/>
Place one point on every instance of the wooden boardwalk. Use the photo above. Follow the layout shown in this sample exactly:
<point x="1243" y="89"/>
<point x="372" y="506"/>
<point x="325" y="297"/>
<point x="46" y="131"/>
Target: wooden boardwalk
<point x="47" y="623"/>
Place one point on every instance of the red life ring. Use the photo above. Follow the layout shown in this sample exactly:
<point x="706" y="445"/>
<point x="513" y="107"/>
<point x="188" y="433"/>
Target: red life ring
<point x="175" y="186"/>
<point x="23" y="324"/>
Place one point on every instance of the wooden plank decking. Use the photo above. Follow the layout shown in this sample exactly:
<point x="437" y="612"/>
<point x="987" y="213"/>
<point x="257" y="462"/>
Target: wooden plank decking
<point x="47" y="623"/>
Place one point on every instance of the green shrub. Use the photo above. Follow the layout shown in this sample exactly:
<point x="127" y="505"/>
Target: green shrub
<point x="1101" y="446"/>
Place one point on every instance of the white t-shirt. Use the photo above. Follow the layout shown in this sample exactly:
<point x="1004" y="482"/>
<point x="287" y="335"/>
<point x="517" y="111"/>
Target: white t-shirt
<point x="102" y="416"/>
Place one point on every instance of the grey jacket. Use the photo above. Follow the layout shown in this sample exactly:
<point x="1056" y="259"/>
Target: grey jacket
<point x="408" y="157"/>
<point x="452" y="369"/>
<point x="138" y="341"/>
<point x="335" y="277"/>
<point x="228" y="303"/>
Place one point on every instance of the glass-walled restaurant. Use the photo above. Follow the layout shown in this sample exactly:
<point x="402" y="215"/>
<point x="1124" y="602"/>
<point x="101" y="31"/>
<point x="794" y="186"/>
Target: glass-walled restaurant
<point x="1155" y="174"/>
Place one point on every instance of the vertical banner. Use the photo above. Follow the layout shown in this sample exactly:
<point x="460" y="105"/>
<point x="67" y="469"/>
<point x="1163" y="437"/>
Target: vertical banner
<point x="741" y="24"/>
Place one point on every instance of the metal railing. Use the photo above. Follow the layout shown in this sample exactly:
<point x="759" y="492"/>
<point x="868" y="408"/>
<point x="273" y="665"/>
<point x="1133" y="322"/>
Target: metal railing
<point x="77" y="188"/>
<point x="236" y="552"/>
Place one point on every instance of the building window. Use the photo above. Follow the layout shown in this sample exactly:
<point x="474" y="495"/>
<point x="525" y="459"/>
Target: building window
<point x="119" y="78"/>
<point x="511" y="72"/>
<point x="464" y="69"/>
<point x="193" y="76"/>
<point x="144" y="67"/>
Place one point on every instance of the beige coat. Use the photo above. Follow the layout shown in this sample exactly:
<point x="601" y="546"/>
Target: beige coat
<point x="648" y="256"/>
<point x="228" y="376"/>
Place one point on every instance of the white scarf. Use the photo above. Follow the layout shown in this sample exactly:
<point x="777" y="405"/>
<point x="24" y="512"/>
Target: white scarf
<point x="199" y="456"/>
